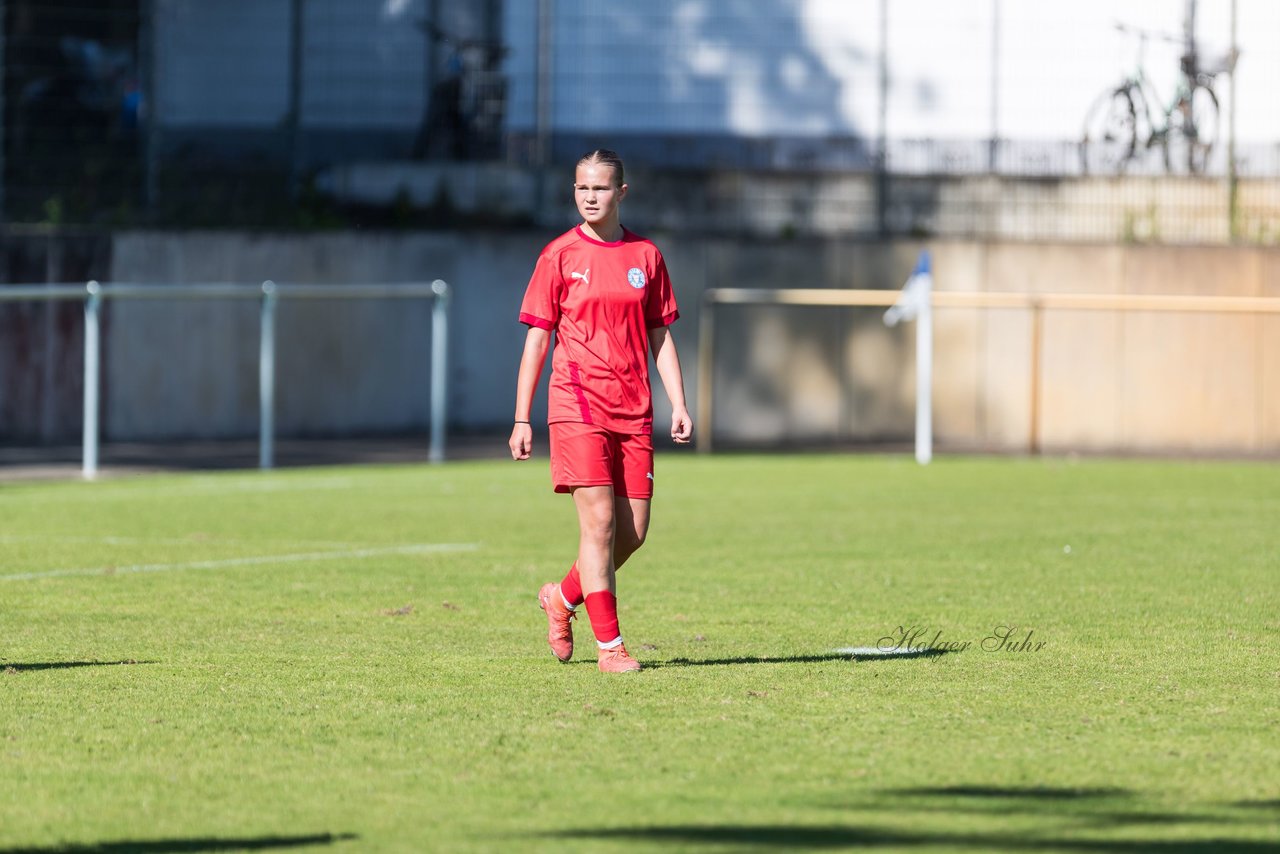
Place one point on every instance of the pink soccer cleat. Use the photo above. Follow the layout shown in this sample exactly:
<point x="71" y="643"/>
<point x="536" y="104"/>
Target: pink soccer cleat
<point x="559" y="632"/>
<point x="617" y="660"/>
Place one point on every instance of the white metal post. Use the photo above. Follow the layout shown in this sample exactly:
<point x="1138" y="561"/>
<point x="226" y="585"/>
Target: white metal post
<point x="92" y="373"/>
<point x="1233" y="176"/>
<point x="267" y="378"/>
<point x="924" y="371"/>
<point x="993" y="145"/>
<point x="916" y="303"/>
<point x="439" y="368"/>
<point x="882" y="141"/>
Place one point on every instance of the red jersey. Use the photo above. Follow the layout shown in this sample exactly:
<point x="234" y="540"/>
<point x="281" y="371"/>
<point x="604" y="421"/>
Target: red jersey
<point x="601" y="299"/>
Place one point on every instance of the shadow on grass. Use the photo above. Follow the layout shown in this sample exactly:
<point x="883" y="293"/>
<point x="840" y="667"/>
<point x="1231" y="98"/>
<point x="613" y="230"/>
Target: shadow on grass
<point x="1085" y="809"/>
<point x="797" y="659"/>
<point x="780" y="837"/>
<point x="22" y="667"/>
<point x="1045" y="793"/>
<point x="1103" y="807"/>
<point x="177" y="846"/>
<point x="1258" y="805"/>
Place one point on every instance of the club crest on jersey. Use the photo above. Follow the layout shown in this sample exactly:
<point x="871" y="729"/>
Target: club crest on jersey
<point x="635" y="277"/>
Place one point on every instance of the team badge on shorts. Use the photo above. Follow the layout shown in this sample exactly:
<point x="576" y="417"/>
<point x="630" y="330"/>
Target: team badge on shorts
<point x="635" y="277"/>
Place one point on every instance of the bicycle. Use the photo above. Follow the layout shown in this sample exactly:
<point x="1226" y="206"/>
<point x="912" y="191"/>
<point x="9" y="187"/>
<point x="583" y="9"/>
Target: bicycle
<point x="1122" y="125"/>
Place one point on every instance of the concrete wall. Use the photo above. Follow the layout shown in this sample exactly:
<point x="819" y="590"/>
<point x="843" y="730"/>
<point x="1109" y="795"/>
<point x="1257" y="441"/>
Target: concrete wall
<point x="42" y="343"/>
<point x="1137" y="382"/>
<point x="344" y="366"/>
<point x="1130" y="381"/>
<point x="844" y="205"/>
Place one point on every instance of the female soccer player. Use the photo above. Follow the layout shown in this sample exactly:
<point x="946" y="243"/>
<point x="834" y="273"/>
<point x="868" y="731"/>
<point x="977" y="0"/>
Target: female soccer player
<point x="606" y="294"/>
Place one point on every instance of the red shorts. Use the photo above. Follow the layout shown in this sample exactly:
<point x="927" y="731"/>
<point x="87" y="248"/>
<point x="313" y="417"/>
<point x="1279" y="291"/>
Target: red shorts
<point x="586" y="455"/>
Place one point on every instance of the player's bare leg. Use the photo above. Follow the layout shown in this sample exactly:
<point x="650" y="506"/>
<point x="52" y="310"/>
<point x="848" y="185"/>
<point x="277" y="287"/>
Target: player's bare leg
<point x="631" y="524"/>
<point x="559" y="601"/>
<point x="595" y="537"/>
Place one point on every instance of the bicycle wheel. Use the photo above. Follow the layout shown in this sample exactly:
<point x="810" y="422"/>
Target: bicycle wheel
<point x="1193" y="131"/>
<point x="1110" y="133"/>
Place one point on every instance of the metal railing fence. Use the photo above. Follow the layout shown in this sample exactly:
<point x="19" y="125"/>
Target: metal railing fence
<point x="269" y="293"/>
<point x="925" y="302"/>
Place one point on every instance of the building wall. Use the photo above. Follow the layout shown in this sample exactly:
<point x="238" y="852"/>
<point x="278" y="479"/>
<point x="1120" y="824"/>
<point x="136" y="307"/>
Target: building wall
<point x="1136" y="382"/>
<point x="746" y="69"/>
<point x="956" y="69"/>
<point x="221" y="64"/>
<point x="223" y="69"/>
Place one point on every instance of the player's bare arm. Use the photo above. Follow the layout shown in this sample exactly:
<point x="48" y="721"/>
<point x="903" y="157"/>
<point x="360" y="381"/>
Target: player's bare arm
<point x="663" y="347"/>
<point x="536" y="344"/>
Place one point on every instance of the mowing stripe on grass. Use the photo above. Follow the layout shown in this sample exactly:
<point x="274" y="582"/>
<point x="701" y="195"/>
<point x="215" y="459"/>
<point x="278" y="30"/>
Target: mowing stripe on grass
<point x="298" y="557"/>
<point x="147" y="488"/>
<point x="60" y="539"/>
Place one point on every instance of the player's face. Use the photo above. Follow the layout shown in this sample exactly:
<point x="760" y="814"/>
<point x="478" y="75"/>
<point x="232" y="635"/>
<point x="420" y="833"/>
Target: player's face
<point x="597" y="193"/>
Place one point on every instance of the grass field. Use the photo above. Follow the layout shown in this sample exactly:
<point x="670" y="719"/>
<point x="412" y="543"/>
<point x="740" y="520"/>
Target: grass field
<point x="352" y="659"/>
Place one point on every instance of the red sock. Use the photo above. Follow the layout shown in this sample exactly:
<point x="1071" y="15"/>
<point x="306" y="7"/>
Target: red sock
<point x="602" y="608"/>
<point x="571" y="587"/>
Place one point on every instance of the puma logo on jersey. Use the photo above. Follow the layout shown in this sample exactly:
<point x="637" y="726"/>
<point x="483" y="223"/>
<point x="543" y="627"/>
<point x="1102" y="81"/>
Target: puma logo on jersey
<point x="586" y="277"/>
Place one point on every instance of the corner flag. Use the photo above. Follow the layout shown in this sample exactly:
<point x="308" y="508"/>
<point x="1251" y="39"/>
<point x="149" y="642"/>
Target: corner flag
<point x="915" y="293"/>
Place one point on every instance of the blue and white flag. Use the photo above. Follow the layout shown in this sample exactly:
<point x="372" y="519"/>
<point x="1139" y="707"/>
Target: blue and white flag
<point x="915" y="293"/>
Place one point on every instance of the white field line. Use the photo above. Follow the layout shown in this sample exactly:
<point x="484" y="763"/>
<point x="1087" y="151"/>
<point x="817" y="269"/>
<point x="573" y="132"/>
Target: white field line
<point x="296" y="557"/>
<point x="877" y="652"/>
